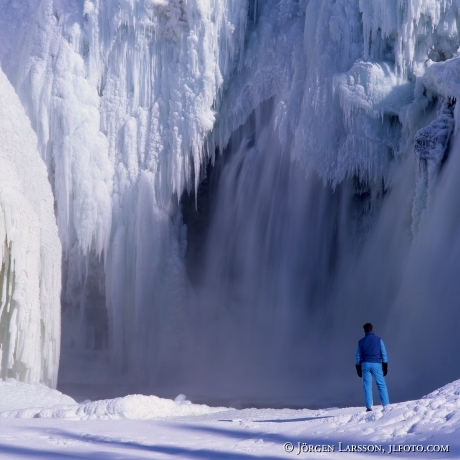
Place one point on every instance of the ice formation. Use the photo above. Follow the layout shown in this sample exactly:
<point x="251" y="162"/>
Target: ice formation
<point x="122" y="97"/>
<point x="430" y="147"/>
<point x="338" y="127"/>
<point x="30" y="252"/>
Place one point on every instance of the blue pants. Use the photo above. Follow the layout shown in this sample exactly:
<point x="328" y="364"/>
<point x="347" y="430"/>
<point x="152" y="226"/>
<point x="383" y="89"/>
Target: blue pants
<point x="369" y="370"/>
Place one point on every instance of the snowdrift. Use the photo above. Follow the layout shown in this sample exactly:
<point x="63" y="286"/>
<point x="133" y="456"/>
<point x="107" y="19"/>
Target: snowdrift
<point x="132" y="407"/>
<point x="19" y="395"/>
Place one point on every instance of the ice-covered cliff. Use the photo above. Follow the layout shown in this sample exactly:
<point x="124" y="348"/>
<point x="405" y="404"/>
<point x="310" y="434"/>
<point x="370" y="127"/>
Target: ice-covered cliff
<point x="30" y="252"/>
<point x="122" y="96"/>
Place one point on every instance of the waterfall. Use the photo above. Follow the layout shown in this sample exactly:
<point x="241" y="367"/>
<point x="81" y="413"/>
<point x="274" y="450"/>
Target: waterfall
<point x="266" y="269"/>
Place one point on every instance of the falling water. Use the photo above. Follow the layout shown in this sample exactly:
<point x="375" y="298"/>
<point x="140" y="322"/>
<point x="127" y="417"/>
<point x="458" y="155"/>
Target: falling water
<point x="291" y="269"/>
<point x="274" y="247"/>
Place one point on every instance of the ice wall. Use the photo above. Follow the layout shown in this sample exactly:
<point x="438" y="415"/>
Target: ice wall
<point x="122" y="96"/>
<point x="30" y="252"/>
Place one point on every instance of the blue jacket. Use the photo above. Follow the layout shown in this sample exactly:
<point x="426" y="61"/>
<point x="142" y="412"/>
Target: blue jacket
<point x="371" y="350"/>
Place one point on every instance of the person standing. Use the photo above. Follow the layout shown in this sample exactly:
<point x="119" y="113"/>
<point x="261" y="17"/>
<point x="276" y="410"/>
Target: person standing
<point x="372" y="361"/>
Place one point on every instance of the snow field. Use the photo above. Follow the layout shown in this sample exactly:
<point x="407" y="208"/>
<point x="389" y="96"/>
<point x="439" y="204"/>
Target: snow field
<point x="114" y="429"/>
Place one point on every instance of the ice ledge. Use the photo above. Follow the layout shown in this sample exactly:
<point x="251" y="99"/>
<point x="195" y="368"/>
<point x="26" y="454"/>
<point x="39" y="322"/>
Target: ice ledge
<point x="374" y="88"/>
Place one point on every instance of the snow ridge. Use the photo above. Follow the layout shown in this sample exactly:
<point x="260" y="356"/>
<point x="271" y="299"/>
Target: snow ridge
<point x="132" y="407"/>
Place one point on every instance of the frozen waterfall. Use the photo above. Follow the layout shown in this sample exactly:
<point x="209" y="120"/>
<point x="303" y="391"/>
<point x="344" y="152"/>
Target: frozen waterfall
<point x="239" y="186"/>
<point x="122" y="97"/>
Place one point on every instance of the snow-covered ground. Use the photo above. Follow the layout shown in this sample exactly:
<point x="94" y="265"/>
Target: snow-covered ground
<point x="137" y="427"/>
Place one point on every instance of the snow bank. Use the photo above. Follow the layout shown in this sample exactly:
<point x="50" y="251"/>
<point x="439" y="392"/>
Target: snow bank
<point x="16" y="395"/>
<point x="421" y="429"/>
<point x="439" y="410"/>
<point x="30" y="252"/>
<point x="132" y="407"/>
<point x="435" y="413"/>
